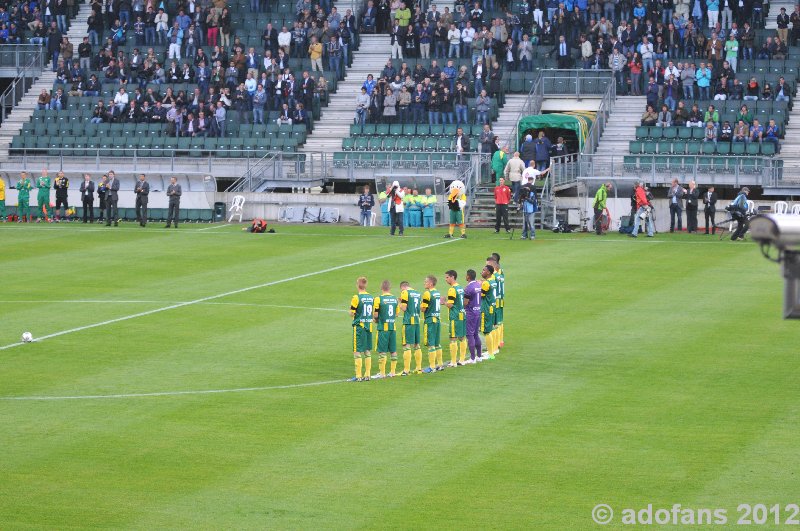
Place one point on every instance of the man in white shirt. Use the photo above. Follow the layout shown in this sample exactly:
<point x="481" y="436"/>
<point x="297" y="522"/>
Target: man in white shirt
<point x="467" y="35"/>
<point x="285" y="40"/>
<point x="454" y="38"/>
<point x="121" y="100"/>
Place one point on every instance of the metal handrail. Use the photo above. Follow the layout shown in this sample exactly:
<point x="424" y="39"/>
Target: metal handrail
<point x="19" y="85"/>
<point x="735" y="170"/>
<point x="245" y="182"/>
<point x="22" y="54"/>
<point x="599" y="124"/>
<point x="532" y="105"/>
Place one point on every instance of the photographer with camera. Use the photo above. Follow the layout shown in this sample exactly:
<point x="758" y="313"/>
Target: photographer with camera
<point x="643" y="210"/>
<point x="529" y="206"/>
<point x="738" y="209"/>
<point x="394" y="196"/>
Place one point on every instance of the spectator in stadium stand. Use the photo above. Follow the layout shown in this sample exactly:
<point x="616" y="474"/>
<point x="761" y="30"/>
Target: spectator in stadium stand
<point x="502" y="196"/>
<point x="486" y="139"/>
<point x="527" y="150"/>
<point x="461" y="142"/>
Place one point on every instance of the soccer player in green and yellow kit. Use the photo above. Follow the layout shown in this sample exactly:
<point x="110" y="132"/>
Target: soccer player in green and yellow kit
<point x="458" y="321"/>
<point x="494" y="261"/>
<point x="24" y="197"/>
<point x="410" y="304"/>
<point x="431" y="308"/>
<point x="43" y="197"/>
<point x="488" y="303"/>
<point x="361" y="312"/>
<point x="385" y="309"/>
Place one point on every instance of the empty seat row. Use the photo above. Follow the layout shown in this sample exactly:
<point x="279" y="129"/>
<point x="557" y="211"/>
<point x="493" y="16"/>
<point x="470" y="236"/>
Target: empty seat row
<point x="706" y="148"/>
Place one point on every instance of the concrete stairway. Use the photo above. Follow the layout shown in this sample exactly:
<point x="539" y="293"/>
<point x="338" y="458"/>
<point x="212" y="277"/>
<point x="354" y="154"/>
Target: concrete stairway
<point x="775" y="10"/>
<point x="620" y="130"/>
<point x="22" y="113"/>
<point x="340" y="112"/>
<point x="507" y="119"/>
<point x="790" y="147"/>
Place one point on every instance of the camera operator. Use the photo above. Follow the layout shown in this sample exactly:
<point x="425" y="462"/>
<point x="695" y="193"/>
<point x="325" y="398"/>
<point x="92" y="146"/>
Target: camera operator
<point x="394" y="195"/>
<point x="529" y="206"/>
<point x="738" y="209"/>
<point x="643" y="210"/>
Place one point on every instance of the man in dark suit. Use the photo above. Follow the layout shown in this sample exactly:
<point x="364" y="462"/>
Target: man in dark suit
<point x="174" y="195"/>
<point x="562" y="53"/>
<point x="710" y="210"/>
<point x="692" y="195"/>
<point x="142" y="190"/>
<point x="112" y="198"/>
<point x="87" y="198"/>
<point x="675" y="197"/>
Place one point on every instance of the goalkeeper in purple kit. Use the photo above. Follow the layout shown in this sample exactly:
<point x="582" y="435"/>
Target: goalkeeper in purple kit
<point x="472" y="306"/>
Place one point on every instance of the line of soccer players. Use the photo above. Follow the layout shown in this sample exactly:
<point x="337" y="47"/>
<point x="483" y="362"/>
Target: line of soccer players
<point x="474" y="309"/>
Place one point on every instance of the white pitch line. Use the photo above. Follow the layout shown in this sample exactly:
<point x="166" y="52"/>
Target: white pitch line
<point x="168" y="393"/>
<point x="255" y="304"/>
<point x="198" y="231"/>
<point x="216" y="226"/>
<point x="226" y="294"/>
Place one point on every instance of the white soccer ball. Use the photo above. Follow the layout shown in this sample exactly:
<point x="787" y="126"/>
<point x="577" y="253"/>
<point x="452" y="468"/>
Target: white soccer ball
<point x="27" y="337"/>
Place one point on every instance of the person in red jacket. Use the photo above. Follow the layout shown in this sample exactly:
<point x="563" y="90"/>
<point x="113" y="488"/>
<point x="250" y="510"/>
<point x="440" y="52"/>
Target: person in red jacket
<point x="643" y="211"/>
<point x="502" y="196"/>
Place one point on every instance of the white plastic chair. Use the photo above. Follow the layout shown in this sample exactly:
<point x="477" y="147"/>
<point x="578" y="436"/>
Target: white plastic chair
<point x="372" y="219"/>
<point x="781" y="207"/>
<point x="796" y="210"/>
<point x="237" y="208"/>
<point x="751" y="206"/>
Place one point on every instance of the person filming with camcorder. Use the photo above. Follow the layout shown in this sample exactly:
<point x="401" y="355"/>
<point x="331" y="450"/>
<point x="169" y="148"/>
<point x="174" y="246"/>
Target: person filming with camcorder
<point x="394" y="195"/>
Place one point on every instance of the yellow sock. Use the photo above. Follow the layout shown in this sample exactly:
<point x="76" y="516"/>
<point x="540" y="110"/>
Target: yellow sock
<point x="489" y="346"/>
<point x="452" y="228"/>
<point x="453" y="352"/>
<point x="432" y="359"/>
<point x="418" y="358"/>
<point x="463" y="347"/>
<point x="463" y="229"/>
<point x="394" y="366"/>
<point x="439" y="356"/>
<point x="407" y="360"/>
<point x="358" y="367"/>
<point x="367" y="366"/>
<point x="382" y="365"/>
<point x="496" y="334"/>
<point x="502" y="332"/>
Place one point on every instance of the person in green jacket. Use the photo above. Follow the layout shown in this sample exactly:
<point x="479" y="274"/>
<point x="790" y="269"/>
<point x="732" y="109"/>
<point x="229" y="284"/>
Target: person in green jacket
<point x="428" y="209"/>
<point x="384" y="209"/>
<point x="499" y="161"/>
<point x="599" y="205"/>
<point x="43" y="196"/>
<point x="23" y="198"/>
<point x="416" y="204"/>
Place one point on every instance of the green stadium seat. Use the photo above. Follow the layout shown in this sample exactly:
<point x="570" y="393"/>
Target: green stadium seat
<point x="709" y="148"/>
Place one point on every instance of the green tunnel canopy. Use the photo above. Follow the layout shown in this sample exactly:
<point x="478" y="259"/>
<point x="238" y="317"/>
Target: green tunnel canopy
<point x="578" y="121"/>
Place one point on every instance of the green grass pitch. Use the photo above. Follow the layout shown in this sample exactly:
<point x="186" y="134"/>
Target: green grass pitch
<point x="634" y="372"/>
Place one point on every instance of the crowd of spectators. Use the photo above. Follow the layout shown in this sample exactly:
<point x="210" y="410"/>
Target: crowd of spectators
<point x="432" y="95"/>
<point x="190" y="43"/>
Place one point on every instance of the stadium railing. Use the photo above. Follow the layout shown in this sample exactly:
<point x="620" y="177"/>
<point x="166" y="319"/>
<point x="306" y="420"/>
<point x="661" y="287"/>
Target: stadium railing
<point x="575" y="83"/>
<point x="661" y="169"/>
<point x="28" y="60"/>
